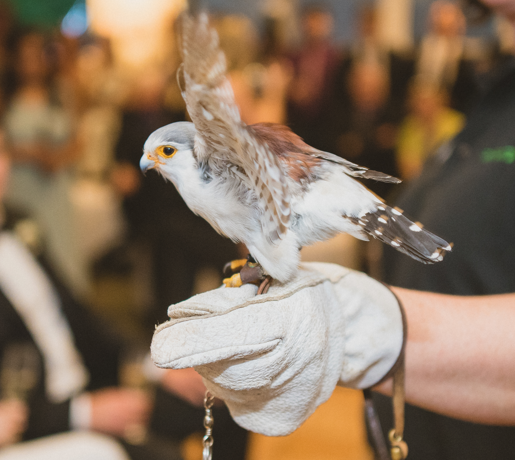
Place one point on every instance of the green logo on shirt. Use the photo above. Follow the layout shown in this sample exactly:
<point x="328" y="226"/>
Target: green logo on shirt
<point x="499" y="155"/>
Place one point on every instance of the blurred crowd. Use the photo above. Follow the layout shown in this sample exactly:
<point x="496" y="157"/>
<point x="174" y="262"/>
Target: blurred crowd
<point x="72" y="128"/>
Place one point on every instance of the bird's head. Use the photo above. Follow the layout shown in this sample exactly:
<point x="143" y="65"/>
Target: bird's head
<point x="169" y="149"/>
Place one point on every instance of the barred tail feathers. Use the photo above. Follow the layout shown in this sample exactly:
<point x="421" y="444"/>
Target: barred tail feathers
<point x="390" y="226"/>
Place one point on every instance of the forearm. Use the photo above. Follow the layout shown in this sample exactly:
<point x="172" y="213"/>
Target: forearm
<point x="459" y="355"/>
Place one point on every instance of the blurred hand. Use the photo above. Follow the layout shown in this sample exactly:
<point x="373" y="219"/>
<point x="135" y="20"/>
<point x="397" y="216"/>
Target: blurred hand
<point x="13" y="420"/>
<point x="116" y="410"/>
<point x="186" y="384"/>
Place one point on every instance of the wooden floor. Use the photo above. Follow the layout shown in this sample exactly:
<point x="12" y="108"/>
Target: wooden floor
<point x="334" y="432"/>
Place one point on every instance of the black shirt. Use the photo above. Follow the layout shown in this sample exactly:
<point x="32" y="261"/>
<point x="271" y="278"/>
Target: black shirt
<point x="467" y="196"/>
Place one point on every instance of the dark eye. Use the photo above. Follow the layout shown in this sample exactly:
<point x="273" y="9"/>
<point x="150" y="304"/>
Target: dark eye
<point x="166" y="151"/>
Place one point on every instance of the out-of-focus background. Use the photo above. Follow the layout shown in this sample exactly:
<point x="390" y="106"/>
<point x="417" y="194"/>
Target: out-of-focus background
<point x="83" y="83"/>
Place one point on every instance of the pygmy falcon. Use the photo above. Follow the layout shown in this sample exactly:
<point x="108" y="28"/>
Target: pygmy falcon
<point x="261" y="184"/>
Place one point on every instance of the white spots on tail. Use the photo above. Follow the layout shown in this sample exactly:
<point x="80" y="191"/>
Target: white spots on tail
<point x="437" y="255"/>
<point x="415" y="228"/>
<point x="397" y="211"/>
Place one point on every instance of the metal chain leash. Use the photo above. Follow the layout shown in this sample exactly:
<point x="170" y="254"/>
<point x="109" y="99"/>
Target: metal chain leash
<point x="207" y="441"/>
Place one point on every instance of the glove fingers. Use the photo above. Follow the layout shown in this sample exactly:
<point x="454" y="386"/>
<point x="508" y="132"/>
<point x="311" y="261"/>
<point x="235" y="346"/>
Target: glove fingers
<point x="212" y="338"/>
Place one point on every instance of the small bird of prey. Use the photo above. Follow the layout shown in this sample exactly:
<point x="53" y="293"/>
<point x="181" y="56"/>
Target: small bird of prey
<point x="261" y="184"/>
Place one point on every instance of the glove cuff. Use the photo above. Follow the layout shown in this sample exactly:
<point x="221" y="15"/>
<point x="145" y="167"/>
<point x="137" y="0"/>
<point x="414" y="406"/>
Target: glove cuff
<point x="400" y="358"/>
<point x="375" y="330"/>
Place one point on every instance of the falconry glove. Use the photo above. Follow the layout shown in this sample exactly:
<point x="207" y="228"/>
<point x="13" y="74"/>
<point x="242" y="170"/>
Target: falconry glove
<point x="274" y="358"/>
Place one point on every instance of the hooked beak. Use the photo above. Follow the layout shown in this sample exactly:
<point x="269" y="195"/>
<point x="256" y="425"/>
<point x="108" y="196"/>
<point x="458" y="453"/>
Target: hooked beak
<point x="147" y="162"/>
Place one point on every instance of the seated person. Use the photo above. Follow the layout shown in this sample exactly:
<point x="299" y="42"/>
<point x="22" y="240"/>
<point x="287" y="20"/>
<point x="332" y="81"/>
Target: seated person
<point x="76" y="385"/>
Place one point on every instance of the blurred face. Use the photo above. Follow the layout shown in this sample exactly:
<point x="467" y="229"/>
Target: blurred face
<point x="5" y="166"/>
<point x="503" y="7"/>
<point x="368" y="23"/>
<point x="368" y="86"/>
<point x="148" y="90"/>
<point x="318" y="25"/>
<point x="447" y="19"/>
<point x="32" y="63"/>
<point x="426" y="101"/>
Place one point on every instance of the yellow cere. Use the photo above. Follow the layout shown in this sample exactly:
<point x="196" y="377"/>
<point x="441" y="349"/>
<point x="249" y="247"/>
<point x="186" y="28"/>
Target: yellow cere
<point x="166" y="151"/>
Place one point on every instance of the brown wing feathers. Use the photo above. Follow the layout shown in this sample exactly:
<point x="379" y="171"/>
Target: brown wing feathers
<point x="288" y="147"/>
<point x="301" y="157"/>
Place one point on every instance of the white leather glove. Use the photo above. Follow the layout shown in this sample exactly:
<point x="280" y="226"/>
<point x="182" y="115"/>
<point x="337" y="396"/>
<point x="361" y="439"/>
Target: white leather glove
<point x="274" y="358"/>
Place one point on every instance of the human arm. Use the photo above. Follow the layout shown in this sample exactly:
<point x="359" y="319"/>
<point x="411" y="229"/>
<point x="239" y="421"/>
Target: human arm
<point x="185" y="384"/>
<point x="111" y="410"/>
<point x="459" y="355"/>
<point x="103" y="405"/>
<point x="115" y="411"/>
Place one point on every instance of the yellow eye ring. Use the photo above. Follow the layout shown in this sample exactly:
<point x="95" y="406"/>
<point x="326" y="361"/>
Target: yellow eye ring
<point x="166" y="151"/>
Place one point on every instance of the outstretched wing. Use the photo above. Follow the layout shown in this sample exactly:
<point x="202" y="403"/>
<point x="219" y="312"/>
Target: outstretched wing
<point x="300" y="157"/>
<point x="221" y="135"/>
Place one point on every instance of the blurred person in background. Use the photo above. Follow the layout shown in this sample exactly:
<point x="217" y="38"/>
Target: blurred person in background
<point x="100" y="88"/>
<point x="311" y="112"/>
<point x="8" y="27"/>
<point x="368" y="123"/>
<point x="261" y="85"/>
<point x="429" y="124"/>
<point x="368" y="49"/>
<point x="100" y="91"/>
<point x="441" y="59"/>
<point x="74" y="380"/>
<point x="172" y="244"/>
<point x="465" y="194"/>
<point x="41" y="132"/>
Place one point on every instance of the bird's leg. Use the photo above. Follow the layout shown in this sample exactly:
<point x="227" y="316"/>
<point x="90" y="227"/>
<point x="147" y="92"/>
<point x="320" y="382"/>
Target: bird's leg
<point x="265" y="285"/>
<point x="248" y="271"/>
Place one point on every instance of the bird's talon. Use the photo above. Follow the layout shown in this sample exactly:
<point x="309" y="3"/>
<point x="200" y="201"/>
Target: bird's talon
<point x="233" y="281"/>
<point x="252" y="273"/>
<point x="234" y="266"/>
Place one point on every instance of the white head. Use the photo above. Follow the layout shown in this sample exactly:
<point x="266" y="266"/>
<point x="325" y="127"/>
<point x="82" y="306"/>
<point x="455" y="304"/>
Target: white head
<point x="169" y="150"/>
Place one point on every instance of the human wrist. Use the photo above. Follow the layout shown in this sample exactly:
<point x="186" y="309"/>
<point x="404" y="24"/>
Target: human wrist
<point x="80" y="412"/>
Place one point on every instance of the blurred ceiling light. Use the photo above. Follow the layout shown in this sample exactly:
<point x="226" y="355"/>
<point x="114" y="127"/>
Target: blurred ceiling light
<point x="137" y="28"/>
<point x="75" y="23"/>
